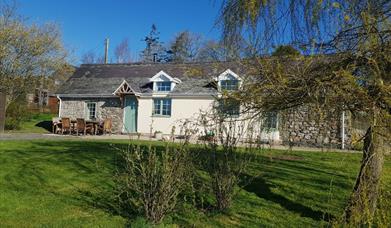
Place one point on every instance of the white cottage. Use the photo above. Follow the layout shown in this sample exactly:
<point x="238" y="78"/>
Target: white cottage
<point x="138" y="96"/>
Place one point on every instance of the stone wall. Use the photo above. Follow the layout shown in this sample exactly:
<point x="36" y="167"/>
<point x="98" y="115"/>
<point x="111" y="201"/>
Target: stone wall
<point x="304" y="127"/>
<point x="105" y="108"/>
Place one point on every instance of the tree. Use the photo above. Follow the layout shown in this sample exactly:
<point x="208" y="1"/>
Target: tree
<point x="354" y="76"/>
<point x="27" y="51"/>
<point x="212" y="51"/>
<point x="122" y="52"/>
<point x="285" y="50"/>
<point x="154" y="50"/>
<point x="184" y="47"/>
<point x="90" y="57"/>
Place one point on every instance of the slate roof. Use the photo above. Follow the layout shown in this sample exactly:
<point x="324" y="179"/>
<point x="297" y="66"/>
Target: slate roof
<point x="104" y="79"/>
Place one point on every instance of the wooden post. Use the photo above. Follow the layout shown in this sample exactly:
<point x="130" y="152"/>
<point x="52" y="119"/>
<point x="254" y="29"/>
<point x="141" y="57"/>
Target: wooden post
<point x="2" y="111"/>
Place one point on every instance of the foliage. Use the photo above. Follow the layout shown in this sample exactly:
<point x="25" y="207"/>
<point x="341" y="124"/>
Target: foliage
<point x="154" y="50"/>
<point x="226" y="160"/>
<point x="91" y="57"/>
<point x="184" y="47"/>
<point x="27" y="51"/>
<point x="151" y="180"/>
<point x="285" y="50"/>
<point x="353" y="76"/>
<point x="122" y="52"/>
<point x="213" y="51"/>
<point x="16" y="113"/>
<point x="35" y="122"/>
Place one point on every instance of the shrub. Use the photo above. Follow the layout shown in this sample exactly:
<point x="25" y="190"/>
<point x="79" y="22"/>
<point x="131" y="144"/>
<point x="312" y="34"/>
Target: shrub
<point x="151" y="179"/>
<point x="226" y="164"/>
<point x="226" y="160"/>
<point x="16" y="113"/>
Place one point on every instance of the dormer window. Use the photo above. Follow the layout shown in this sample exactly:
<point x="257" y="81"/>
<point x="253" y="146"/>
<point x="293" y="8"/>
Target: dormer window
<point x="163" y="86"/>
<point x="229" y="84"/>
<point x="164" y="83"/>
<point x="228" y="81"/>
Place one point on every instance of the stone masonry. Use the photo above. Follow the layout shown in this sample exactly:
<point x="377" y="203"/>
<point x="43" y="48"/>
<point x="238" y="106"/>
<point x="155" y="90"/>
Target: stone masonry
<point x="105" y="108"/>
<point x="303" y="127"/>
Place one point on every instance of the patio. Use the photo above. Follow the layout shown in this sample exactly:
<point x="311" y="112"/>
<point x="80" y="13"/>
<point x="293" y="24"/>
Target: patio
<point x="80" y="126"/>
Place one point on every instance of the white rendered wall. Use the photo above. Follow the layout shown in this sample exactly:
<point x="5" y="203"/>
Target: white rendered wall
<point x="181" y="109"/>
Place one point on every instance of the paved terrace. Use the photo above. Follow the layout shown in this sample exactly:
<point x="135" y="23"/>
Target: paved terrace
<point x="37" y="136"/>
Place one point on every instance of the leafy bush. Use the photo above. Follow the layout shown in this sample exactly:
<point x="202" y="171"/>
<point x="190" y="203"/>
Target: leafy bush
<point x="226" y="161"/>
<point x="15" y="114"/>
<point x="151" y="179"/>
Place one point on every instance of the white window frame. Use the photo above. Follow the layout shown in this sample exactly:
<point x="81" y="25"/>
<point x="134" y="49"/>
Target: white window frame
<point x="228" y="111"/>
<point x="229" y="89"/>
<point x="161" y="107"/>
<point x="161" y="86"/>
<point x="264" y="122"/>
<point x="228" y="75"/>
<point x="163" y="77"/>
<point x="87" y="110"/>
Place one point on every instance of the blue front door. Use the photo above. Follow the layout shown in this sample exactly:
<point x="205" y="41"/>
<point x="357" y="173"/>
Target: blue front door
<point x="130" y="112"/>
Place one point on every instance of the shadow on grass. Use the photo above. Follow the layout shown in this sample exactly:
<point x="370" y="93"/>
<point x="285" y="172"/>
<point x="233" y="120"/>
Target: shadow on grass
<point x="262" y="189"/>
<point x="88" y="167"/>
<point x="47" y="125"/>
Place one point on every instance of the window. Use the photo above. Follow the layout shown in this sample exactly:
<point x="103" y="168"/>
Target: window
<point x="161" y="107"/>
<point x="91" y="110"/>
<point x="270" y="120"/>
<point x="229" y="84"/>
<point x="163" y="86"/>
<point x="229" y="107"/>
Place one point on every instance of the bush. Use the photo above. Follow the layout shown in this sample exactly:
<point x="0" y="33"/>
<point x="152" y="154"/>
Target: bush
<point x="16" y="113"/>
<point x="151" y="179"/>
<point x="226" y="160"/>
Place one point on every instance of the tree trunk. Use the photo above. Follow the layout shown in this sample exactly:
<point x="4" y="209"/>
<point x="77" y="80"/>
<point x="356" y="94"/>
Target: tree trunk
<point x="363" y="201"/>
<point x="2" y="111"/>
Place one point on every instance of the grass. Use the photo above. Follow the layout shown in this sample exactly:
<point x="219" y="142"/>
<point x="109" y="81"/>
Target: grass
<point x="35" y="123"/>
<point x="65" y="183"/>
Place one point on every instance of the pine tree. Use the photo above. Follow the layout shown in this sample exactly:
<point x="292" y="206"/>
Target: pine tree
<point x="154" y="50"/>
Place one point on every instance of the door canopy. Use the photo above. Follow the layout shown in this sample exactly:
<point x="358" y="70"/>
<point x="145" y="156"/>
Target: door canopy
<point x="124" y="89"/>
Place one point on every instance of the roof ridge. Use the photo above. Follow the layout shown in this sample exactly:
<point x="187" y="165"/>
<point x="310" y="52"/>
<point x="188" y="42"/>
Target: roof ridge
<point x="149" y="64"/>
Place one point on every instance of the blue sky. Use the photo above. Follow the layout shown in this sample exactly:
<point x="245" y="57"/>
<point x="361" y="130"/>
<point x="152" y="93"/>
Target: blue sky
<point x="86" y="23"/>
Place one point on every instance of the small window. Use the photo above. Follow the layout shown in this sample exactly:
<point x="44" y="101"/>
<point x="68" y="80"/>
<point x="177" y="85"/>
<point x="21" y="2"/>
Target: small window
<point x="163" y="86"/>
<point x="91" y="110"/>
<point x="229" y="107"/>
<point x="161" y="107"/>
<point x="229" y="84"/>
<point x="270" y="120"/>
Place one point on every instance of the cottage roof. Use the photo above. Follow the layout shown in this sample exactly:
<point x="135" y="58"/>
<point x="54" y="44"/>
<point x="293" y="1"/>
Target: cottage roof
<point x="104" y="79"/>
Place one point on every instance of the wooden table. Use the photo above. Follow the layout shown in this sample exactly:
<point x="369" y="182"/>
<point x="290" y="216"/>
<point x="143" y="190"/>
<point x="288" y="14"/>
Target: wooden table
<point x="95" y="124"/>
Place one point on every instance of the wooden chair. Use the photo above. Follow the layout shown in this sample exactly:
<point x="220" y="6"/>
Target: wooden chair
<point x="66" y="125"/>
<point x="56" y="124"/>
<point x="106" y="126"/>
<point x="81" y="126"/>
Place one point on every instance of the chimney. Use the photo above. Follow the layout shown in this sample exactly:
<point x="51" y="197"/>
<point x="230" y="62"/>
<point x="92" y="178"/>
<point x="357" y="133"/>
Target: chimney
<point x="154" y="57"/>
<point x="106" y="50"/>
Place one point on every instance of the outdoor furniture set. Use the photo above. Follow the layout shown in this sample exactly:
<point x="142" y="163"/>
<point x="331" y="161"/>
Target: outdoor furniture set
<point x="81" y="126"/>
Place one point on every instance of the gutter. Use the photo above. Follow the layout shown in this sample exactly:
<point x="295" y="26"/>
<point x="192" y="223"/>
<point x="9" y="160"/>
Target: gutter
<point x="86" y="95"/>
<point x="59" y="109"/>
<point x="177" y="95"/>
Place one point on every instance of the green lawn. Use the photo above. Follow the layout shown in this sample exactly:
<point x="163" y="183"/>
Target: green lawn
<point x="65" y="183"/>
<point x="35" y="123"/>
